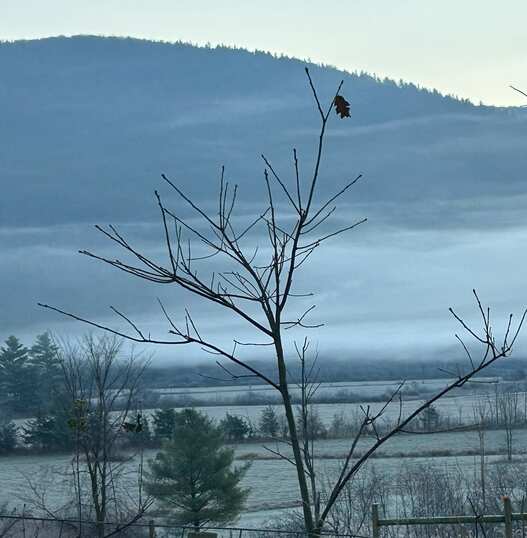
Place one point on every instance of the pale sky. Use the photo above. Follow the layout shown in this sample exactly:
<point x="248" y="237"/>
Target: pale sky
<point x="470" y="48"/>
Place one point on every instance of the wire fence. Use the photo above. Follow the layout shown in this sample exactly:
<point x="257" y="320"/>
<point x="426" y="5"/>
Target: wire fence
<point x="27" y="526"/>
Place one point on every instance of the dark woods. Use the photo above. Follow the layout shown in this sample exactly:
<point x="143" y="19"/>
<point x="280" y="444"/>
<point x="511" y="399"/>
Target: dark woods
<point x="63" y="390"/>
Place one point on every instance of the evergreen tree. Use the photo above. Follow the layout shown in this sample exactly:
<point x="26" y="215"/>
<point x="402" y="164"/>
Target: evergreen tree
<point x="192" y="475"/>
<point x="17" y="377"/>
<point x="49" y="432"/>
<point x="234" y="428"/>
<point x="164" y="422"/>
<point x="44" y="357"/>
<point x="429" y="418"/>
<point x="44" y="354"/>
<point x="8" y="437"/>
<point x="269" y="425"/>
<point x="310" y="425"/>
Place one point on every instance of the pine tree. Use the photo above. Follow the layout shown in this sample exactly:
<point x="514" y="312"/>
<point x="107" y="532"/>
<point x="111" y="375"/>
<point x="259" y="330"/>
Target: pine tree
<point x="429" y="418"/>
<point x="234" y="428"/>
<point x="192" y="475"/>
<point x="44" y="353"/>
<point x="49" y="432"/>
<point x="8" y="437"/>
<point x="310" y="425"/>
<point x="45" y="358"/>
<point x="164" y="422"/>
<point x="17" y="377"/>
<point x="269" y="425"/>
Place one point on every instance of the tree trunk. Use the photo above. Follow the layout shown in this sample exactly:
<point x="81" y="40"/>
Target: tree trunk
<point x="297" y="453"/>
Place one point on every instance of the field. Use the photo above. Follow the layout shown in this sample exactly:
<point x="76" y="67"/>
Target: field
<point x="220" y="400"/>
<point x="272" y="480"/>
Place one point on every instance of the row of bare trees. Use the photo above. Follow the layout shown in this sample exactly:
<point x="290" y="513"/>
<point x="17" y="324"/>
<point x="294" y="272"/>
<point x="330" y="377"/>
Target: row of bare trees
<point x="505" y="410"/>
<point x="431" y="490"/>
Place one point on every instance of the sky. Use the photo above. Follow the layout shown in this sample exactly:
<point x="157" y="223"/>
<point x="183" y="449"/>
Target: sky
<point x="473" y="49"/>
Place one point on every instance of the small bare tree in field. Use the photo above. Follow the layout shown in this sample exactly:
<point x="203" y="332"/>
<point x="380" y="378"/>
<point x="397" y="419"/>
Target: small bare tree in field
<point x="98" y="396"/>
<point x="509" y="406"/>
<point x="259" y="288"/>
<point x="101" y="390"/>
<point x="481" y="413"/>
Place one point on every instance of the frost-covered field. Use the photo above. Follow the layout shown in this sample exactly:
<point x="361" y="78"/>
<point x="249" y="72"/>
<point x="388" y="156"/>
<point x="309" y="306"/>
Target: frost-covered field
<point x="272" y="481"/>
<point x="457" y="408"/>
<point x="364" y="388"/>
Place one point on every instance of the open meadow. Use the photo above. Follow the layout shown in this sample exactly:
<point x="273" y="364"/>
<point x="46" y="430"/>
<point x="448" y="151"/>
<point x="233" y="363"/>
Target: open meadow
<point x="271" y="479"/>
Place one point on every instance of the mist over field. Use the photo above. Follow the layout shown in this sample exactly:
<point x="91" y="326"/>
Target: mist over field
<point x="90" y="123"/>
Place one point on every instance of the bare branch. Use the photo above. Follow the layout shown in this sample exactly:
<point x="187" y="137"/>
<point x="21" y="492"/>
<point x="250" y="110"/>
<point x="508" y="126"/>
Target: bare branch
<point x="518" y="90"/>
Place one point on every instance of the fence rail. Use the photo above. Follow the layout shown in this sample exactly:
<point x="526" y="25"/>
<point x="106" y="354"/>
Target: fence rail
<point x="506" y="518"/>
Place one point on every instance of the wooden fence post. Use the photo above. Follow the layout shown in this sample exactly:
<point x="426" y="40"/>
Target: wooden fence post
<point x="375" y="520"/>
<point x="507" y="509"/>
<point x="151" y="529"/>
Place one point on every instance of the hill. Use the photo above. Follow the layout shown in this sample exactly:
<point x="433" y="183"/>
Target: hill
<point x="89" y="123"/>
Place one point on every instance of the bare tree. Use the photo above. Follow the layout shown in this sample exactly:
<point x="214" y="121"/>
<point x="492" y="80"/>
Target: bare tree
<point x="102" y="389"/>
<point x="480" y="410"/>
<point x="308" y="421"/>
<point x="519" y="91"/>
<point x="258" y="287"/>
<point x="508" y="402"/>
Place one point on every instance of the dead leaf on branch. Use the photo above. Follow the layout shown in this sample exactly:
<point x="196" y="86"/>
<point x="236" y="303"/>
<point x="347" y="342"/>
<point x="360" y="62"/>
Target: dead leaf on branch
<point x="342" y="107"/>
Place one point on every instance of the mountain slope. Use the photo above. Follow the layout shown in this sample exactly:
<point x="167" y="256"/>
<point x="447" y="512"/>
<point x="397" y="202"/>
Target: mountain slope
<point x="89" y="123"/>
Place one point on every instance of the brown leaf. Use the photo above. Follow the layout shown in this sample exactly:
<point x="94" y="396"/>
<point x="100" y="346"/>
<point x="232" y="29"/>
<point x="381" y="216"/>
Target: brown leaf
<point x="342" y="107"/>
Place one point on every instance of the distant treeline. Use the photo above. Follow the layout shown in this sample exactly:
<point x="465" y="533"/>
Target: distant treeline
<point x="34" y="383"/>
<point x="334" y="370"/>
<point x="153" y="398"/>
<point x="27" y="374"/>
